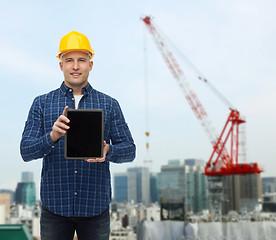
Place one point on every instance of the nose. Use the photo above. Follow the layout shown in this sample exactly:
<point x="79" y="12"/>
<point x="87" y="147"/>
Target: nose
<point x="76" y="66"/>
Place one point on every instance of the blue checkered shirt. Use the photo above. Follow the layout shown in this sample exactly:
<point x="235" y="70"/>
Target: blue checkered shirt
<point x="74" y="187"/>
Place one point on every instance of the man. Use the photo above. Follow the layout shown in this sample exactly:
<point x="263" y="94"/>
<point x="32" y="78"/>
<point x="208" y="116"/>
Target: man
<point x="75" y="194"/>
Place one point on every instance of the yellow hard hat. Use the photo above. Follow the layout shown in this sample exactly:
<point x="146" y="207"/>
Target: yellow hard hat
<point x="74" y="41"/>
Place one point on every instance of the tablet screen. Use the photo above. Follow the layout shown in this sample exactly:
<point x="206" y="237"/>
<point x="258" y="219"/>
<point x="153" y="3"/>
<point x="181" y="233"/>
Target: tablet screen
<point x="84" y="138"/>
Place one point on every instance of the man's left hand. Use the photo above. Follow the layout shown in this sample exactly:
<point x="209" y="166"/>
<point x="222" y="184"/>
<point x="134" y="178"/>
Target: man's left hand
<point x="105" y="152"/>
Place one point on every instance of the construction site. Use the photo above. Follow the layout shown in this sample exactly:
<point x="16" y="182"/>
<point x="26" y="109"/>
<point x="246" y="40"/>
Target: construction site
<point x="234" y="184"/>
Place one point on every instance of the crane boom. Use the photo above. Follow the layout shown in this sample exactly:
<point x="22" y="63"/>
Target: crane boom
<point x="220" y="162"/>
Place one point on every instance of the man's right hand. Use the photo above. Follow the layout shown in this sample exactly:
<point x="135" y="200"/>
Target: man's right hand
<point x="60" y="126"/>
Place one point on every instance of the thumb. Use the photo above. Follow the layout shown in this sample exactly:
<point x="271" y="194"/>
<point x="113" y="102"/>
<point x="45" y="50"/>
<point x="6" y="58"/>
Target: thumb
<point x="64" y="110"/>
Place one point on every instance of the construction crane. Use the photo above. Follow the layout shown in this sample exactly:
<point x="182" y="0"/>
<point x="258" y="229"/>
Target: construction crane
<point x="221" y="161"/>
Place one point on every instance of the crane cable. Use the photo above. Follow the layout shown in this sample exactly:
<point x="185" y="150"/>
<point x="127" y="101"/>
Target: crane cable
<point x="147" y="132"/>
<point x="199" y="75"/>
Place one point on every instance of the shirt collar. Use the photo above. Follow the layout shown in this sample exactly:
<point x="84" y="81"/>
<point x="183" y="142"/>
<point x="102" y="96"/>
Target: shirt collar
<point x="67" y="90"/>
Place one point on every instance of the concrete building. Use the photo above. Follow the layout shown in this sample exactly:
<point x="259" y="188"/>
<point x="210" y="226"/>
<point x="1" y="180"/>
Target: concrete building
<point x="11" y="193"/>
<point x="269" y="202"/>
<point x="242" y="193"/>
<point x="5" y="200"/>
<point x="268" y="185"/>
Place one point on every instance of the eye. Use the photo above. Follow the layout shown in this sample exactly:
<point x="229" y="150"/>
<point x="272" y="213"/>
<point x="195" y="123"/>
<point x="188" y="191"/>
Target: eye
<point x="68" y="60"/>
<point x="82" y="60"/>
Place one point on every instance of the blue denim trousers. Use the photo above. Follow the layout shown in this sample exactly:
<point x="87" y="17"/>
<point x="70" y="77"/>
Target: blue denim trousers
<point x="55" y="227"/>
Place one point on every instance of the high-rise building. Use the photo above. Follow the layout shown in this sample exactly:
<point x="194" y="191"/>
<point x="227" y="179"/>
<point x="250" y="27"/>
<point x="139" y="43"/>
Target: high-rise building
<point x="242" y="193"/>
<point x="184" y="180"/>
<point x="153" y="188"/>
<point x="171" y="181"/>
<point x="25" y="193"/>
<point x="139" y="185"/>
<point x="132" y="186"/>
<point x="27" y="177"/>
<point x="120" y="187"/>
<point x="25" y="190"/>
<point x="196" y="183"/>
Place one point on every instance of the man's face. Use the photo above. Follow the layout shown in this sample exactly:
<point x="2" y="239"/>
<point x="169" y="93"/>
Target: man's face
<point x="76" y="67"/>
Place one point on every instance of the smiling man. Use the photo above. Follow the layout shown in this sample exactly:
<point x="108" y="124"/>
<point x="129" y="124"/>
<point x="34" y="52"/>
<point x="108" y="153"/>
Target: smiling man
<point x="76" y="67"/>
<point x="75" y="194"/>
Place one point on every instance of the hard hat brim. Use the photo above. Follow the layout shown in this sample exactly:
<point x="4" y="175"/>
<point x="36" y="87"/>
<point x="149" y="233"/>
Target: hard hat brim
<point x="60" y="54"/>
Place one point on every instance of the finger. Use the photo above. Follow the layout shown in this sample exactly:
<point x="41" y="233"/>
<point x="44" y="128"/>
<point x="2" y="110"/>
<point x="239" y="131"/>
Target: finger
<point x="64" y="110"/>
<point x="99" y="159"/>
<point x="63" y="118"/>
<point x="95" y="160"/>
<point x="61" y="125"/>
<point x="59" y="130"/>
<point x="90" y="160"/>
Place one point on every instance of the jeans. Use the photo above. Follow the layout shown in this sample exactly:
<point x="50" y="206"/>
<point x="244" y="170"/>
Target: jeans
<point x="55" y="227"/>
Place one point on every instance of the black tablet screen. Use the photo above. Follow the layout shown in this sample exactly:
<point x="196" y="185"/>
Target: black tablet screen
<point x="84" y="138"/>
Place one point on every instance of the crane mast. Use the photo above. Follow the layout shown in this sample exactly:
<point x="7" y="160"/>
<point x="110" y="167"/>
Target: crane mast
<point x="221" y="161"/>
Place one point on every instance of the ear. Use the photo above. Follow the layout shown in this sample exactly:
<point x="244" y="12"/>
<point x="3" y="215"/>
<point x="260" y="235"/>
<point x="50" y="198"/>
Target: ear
<point x="91" y="65"/>
<point x="61" y="66"/>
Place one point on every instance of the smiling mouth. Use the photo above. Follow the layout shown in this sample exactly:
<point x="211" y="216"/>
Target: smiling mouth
<point x="75" y="74"/>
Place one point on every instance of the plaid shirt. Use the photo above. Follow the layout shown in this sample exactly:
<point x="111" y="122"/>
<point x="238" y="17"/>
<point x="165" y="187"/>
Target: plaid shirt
<point x="74" y="187"/>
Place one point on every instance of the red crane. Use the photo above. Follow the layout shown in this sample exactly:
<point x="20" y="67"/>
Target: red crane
<point x="221" y="161"/>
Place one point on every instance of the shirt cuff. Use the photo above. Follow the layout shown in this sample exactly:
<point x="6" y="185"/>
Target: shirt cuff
<point x="48" y="144"/>
<point x="110" y="153"/>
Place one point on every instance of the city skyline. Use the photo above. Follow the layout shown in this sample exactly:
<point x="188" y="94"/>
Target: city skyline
<point x="232" y="44"/>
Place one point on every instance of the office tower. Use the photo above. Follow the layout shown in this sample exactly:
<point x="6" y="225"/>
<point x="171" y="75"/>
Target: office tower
<point x="171" y="181"/>
<point x="27" y="177"/>
<point x="196" y="183"/>
<point x="25" y="190"/>
<point x="153" y="188"/>
<point x="120" y="187"/>
<point x="184" y="180"/>
<point x="139" y="185"/>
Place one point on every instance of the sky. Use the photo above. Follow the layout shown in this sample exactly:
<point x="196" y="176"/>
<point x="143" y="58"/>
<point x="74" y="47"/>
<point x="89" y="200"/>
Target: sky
<point x="232" y="43"/>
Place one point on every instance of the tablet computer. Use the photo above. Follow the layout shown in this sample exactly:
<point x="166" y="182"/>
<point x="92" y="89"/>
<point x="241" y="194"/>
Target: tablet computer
<point x="84" y="138"/>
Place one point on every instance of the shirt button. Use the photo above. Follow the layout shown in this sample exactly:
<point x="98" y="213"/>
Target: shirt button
<point x="75" y="193"/>
<point x="70" y="90"/>
<point x="76" y="171"/>
<point x="73" y="99"/>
